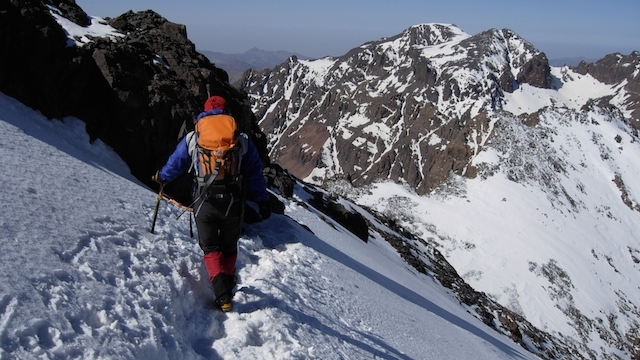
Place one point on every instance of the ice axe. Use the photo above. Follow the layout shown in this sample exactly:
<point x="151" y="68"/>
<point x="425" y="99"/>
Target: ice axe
<point x="155" y="211"/>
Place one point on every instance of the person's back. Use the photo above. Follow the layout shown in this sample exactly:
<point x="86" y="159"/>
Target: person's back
<point x="217" y="148"/>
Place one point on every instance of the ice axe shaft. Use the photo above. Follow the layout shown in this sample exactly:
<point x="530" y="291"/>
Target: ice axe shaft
<point x="155" y="210"/>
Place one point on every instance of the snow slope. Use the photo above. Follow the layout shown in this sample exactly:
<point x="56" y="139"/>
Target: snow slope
<point x="549" y="226"/>
<point x="84" y="278"/>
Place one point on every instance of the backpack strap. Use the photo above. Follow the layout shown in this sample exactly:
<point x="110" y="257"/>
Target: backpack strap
<point x="202" y="190"/>
<point x="183" y="130"/>
<point x="192" y="141"/>
<point x="244" y="143"/>
<point x="204" y="185"/>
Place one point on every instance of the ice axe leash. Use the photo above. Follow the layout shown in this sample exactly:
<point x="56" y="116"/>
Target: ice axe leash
<point x="190" y="210"/>
<point x="155" y="210"/>
<point x="184" y="210"/>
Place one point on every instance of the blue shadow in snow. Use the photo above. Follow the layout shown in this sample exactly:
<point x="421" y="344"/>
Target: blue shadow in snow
<point x="289" y="231"/>
<point x="310" y="320"/>
<point x="66" y="135"/>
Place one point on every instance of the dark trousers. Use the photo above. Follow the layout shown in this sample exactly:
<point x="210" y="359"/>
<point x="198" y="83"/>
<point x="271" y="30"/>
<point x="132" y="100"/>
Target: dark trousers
<point x="219" y="224"/>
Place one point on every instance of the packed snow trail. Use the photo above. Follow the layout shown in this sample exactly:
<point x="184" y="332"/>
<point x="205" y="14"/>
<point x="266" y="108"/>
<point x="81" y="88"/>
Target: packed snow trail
<point x="83" y="278"/>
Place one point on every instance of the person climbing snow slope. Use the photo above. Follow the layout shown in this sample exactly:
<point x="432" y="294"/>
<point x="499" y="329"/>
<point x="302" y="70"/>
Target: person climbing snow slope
<point x="228" y="171"/>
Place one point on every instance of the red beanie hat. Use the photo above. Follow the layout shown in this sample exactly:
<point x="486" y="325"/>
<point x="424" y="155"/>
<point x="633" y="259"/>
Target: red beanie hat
<point x="215" y="102"/>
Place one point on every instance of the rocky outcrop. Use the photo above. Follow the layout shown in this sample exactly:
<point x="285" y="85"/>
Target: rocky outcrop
<point x="613" y="68"/>
<point x="136" y="92"/>
<point x="71" y="11"/>
<point x="34" y="56"/>
<point x="617" y="68"/>
<point x="351" y="220"/>
<point x="536" y="72"/>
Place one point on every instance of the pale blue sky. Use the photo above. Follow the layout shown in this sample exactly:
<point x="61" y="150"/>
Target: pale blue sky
<point x="560" y="28"/>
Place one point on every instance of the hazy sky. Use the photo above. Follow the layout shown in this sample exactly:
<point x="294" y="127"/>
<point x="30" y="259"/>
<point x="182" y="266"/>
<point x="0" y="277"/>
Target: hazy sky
<point x="560" y="28"/>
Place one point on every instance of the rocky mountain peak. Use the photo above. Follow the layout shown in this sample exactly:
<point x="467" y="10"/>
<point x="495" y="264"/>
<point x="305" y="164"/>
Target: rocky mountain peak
<point x="619" y="69"/>
<point x="398" y="108"/>
<point x="422" y="35"/>
<point x="136" y="92"/>
<point x="613" y="68"/>
<point x="433" y="34"/>
<point x="150" y="22"/>
<point x="71" y="11"/>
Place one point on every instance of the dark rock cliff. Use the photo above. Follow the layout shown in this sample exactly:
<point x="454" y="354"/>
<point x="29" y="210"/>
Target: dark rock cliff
<point x="617" y="68"/>
<point x="135" y="91"/>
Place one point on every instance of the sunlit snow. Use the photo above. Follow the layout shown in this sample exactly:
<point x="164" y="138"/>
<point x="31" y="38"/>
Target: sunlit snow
<point x="84" y="278"/>
<point x="78" y="35"/>
<point x="504" y="236"/>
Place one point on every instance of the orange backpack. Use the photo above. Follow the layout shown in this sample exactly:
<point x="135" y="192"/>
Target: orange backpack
<point x="217" y="152"/>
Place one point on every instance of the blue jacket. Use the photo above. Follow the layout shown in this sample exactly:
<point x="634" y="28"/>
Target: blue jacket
<point x="251" y="166"/>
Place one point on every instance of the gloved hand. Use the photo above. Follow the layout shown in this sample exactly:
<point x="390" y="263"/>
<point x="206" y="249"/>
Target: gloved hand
<point x="265" y="209"/>
<point x="156" y="178"/>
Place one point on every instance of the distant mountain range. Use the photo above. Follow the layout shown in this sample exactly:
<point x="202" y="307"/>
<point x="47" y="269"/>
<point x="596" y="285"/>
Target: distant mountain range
<point x="236" y="64"/>
<point x="257" y="59"/>
<point x="570" y="61"/>
<point x="430" y="80"/>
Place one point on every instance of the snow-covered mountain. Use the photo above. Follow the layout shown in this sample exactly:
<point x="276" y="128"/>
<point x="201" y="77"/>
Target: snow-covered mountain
<point x="388" y="107"/>
<point x="83" y="278"/>
<point x="518" y="174"/>
<point x="411" y="108"/>
<point x="522" y="175"/>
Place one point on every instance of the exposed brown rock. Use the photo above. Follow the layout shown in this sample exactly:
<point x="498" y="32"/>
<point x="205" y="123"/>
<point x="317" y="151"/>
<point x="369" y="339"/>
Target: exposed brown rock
<point x="402" y="93"/>
<point x="536" y="72"/>
<point x="615" y="68"/>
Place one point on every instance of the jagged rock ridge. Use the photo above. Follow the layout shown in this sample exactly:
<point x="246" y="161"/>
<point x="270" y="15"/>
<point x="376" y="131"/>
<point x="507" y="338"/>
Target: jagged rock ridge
<point x="135" y="91"/>
<point x="619" y="69"/>
<point x="427" y="108"/>
<point x="398" y="108"/>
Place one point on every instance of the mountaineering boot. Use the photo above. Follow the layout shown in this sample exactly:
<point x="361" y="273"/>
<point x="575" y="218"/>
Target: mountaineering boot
<point x="223" y="285"/>
<point x="224" y="303"/>
<point x="223" y="290"/>
<point x="226" y="307"/>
